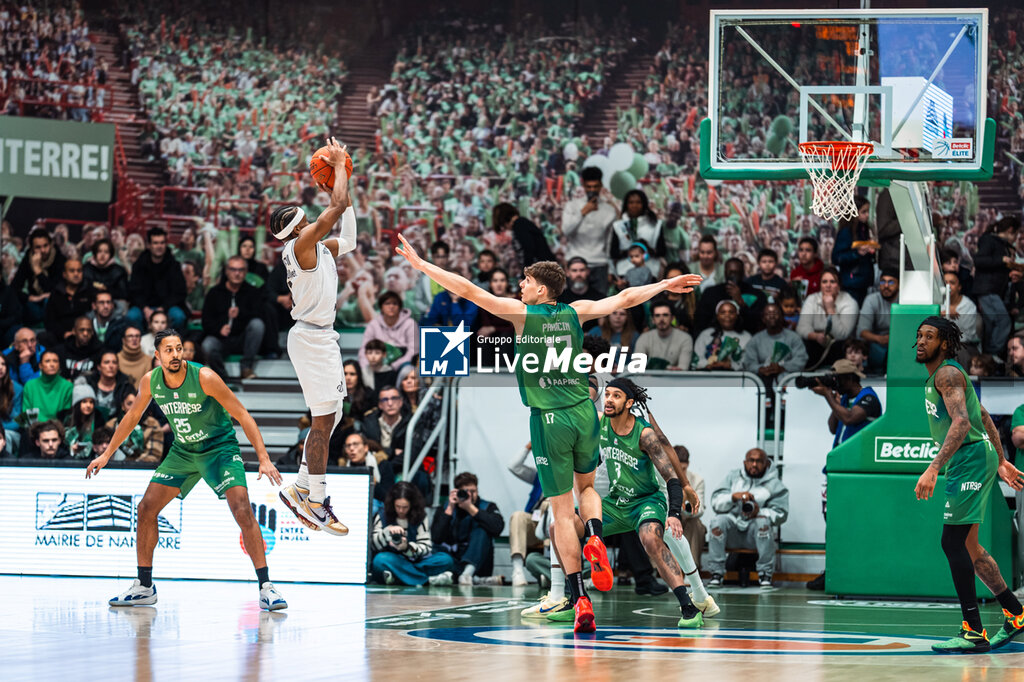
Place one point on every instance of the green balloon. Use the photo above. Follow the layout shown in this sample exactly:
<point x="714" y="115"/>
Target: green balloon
<point x="639" y="168"/>
<point x="782" y="126"/>
<point x="774" y="145"/>
<point x="621" y="182"/>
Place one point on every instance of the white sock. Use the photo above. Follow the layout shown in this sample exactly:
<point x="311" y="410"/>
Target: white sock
<point x="681" y="551"/>
<point x="557" y="590"/>
<point x="302" y="480"/>
<point x="317" y="487"/>
<point x="469" y="570"/>
<point x="517" y="563"/>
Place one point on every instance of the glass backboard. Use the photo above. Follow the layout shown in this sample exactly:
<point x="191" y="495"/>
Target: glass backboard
<point x="911" y="82"/>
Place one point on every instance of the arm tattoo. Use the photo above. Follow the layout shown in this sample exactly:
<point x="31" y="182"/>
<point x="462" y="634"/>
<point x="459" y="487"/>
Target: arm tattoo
<point x="655" y="445"/>
<point x="993" y="433"/>
<point x="950" y="385"/>
<point x="985" y="567"/>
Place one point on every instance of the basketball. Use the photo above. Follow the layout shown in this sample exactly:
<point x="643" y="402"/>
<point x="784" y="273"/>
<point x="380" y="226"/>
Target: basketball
<point x="322" y="171"/>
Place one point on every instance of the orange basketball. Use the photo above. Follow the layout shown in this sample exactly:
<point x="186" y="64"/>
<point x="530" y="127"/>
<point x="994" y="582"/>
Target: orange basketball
<point x="322" y="171"/>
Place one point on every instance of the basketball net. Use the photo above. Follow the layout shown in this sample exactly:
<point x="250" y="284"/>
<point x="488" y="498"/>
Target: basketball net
<point x="834" y="168"/>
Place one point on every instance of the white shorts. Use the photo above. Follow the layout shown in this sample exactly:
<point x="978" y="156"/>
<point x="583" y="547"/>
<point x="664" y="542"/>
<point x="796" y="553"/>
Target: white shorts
<point x="316" y="357"/>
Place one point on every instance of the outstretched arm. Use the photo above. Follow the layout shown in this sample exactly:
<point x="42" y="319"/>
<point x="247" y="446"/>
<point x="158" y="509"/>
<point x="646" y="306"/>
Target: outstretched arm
<point x="506" y="308"/>
<point x="627" y="298"/>
<point x="306" y="242"/>
<point x="124" y="428"/>
<point x="951" y="386"/>
<point x="215" y="387"/>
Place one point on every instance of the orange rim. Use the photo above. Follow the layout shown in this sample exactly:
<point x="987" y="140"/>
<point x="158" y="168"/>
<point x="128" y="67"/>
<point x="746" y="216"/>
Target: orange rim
<point x="843" y="155"/>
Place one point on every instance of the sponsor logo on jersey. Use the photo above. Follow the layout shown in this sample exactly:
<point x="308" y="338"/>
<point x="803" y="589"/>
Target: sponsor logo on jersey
<point x="541" y="461"/>
<point x="970" y="485"/>
<point x="906" y="449"/>
<point x="932" y="408"/>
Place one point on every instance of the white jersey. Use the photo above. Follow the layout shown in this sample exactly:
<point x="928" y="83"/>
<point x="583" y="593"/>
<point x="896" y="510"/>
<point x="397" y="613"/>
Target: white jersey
<point x="314" y="292"/>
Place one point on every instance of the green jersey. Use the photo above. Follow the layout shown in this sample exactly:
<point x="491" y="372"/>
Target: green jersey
<point x="939" y="420"/>
<point x="552" y="333"/>
<point x="631" y="473"/>
<point x="198" y="421"/>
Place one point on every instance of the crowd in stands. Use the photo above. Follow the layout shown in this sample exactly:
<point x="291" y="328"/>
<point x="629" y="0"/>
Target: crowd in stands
<point x="48" y="64"/>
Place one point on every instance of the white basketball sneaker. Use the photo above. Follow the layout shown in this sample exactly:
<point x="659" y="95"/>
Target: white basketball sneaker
<point x="544" y="607"/>
<point x="708" y="607"/>
<point x="293" y="496"/>
<point x="136" y="595"/>
<point x="270" y="598"/>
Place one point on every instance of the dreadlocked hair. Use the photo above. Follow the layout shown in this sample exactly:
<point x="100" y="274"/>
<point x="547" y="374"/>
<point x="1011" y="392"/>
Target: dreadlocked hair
<point x="639" y="396"/>
<point x="948" y="332"/>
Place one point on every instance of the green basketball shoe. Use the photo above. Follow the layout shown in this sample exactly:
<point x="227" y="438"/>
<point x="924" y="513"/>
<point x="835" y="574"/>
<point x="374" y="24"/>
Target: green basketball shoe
<point x="967" y="642"/>
<point x="1012" y="626"/>
<point x="694" y="621"/>
<point x="563" y="613"/>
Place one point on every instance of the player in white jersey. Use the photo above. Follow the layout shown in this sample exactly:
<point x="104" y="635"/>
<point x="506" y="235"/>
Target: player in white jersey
<point x="312" y="342"/>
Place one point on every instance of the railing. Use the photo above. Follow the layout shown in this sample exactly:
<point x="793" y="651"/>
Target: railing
<point x="439" y="435"/>
<point x="36" y="91"/>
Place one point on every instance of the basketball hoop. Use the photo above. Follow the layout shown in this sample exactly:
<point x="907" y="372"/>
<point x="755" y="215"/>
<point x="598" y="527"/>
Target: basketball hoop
<point x="834" y="168"/>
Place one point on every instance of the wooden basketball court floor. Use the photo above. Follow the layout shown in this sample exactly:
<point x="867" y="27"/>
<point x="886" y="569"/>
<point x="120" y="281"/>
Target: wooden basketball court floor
<point x="62" y="629"/>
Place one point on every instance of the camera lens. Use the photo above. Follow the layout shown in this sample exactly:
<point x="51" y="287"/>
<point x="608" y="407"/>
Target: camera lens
<point x="747" y="506"/>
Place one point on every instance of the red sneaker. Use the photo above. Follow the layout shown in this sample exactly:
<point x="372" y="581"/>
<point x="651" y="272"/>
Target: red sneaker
<point x="600" y="570"/>
<point x="584" y="616"/>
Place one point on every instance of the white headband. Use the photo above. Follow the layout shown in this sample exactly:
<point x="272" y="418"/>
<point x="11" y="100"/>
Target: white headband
<point x="287" y="229"/>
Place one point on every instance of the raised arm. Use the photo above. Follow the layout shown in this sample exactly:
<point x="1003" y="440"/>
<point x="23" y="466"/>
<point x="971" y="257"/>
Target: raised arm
<point x="124" y="428"/>
<point x="509" y="309"/>
<point x="627" y="298"/>
<point x="346" y="241"/>
<point x="306" y="242"/>
<point x="215" y="387"/>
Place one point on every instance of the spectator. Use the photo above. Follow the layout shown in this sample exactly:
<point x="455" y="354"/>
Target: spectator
<point x="1015" y="355"/>
<point x="232" y="321"/>
<point x="107" y="325"/>
<point x="448" y="310"/>
<point x="665" y="346"/>
<point x="950" y="260"/>
<point x="874" y="320"/>
<point x="856" y="351"/>
<point x="395" y="327"/>
<point x="684" y="306"/>
<point x="586" y="225"/>
<point x="638" y="223"/>
<point x="359" y="397"/>
<point x="40" y="270"/>
<point x="749" y="504"/>
<point x="132" y="361"/>
<point x="693" y="528"/>
<point x="486" y="261"/>
<point x="11" y="313"/>
<point x="69" y="299"/>
<point x="80" y="424"/>
<point x="109" y="384"/>
<point x="524" y="530"/>
<point x="387" y="425"/>
<point x="48" y="440"/>
<point x="806" y="276"/>
<point x="767" y="280"/>
<point x="257" y="272"/>
<point x="100" y="440"/>
<point x="708" y="264"/>
<point x="376" y="372"/>
<point x="467" y="528"/>
<point x="789" y="301"/>
<point x="617" y="329"/>
<point x="749" y="301"/>
<point x="578" y="288"/>
<point x="426" y="290"/>
<point x="48" y="396"/>
<point x="146" y="441"/>
<point x="81" y="351"/>
<point x="529" y="242"/>
<point x="775" y="349"/>
<point x="104" y="274"/>
<point x="10" y="404"/>
<point x="983" y="365"/>
<point x="188" y="350"/>
<point x="6" y="449"/>
<point x="992" y="264"/>
<point x="854" y="252"/>
<point x="721" y="345"/>
<point x="24" y="355"/>
<point x="156" y="282"/>
<point x="637" y="273"/>
<point x="827" y="317"/>
<point x="402" y="543"/>
<point x="357" y="453"/>
<point x="889" y="232"/>
<point x="195" y="293"/>
<point x="495" y="335"/>
<point x="157" y="323"/>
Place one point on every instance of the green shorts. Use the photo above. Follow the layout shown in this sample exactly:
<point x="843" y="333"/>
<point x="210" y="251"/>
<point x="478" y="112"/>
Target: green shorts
<point x="564" y="440"/>
<point x="220" y="466"/>
<point x="970" y="475"/>
<point x="623" y="518"/>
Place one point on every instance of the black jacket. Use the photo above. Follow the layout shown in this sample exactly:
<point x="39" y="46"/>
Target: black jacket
<point x="218" y="301"/>
<point x="78" y="360"/>
<point x="10" y="308"/>
<point x="157" y="285"/>
<point x="371" y="429"/>
<point x="530" y="243"/>
<point x="750" y="314"/>
<point x="112" y="278"/>
<point x="122" y="387"/>
<point x="990" y="272"/>
<point x="47" y="279"/>
<point x="62" y="308"/>
<point x="454" y="530"/>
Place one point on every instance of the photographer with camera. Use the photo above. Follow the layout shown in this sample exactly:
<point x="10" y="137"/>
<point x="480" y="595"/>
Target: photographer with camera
<point x="401" y="542"/>
<point x="749" y="504"/>
<point x="853" y="407"/>
<point x="467" y="529"/>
